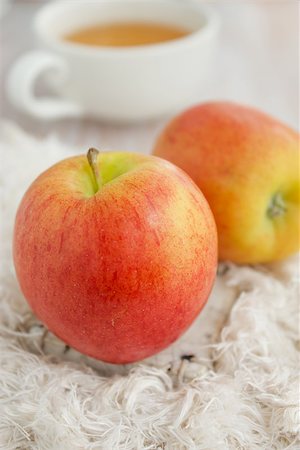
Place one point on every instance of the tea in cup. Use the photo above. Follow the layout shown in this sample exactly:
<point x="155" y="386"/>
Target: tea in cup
<point x="116" y="61"/>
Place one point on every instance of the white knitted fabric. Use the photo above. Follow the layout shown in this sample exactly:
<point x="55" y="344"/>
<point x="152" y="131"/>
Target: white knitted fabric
<point x="231" y="382"/>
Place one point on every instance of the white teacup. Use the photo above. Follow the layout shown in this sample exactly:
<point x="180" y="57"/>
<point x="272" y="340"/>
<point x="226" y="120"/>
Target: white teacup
<point x="111" y="83"/>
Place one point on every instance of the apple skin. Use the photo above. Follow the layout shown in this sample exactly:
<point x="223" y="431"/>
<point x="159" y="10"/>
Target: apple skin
<point x="247" y="166"/>
<point x="118" y="274"/>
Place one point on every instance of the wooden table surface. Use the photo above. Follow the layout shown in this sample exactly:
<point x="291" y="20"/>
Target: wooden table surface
<point x="256" y="64"/>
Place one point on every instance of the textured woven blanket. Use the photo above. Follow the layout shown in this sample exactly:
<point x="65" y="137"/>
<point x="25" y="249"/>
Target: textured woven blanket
<point x="230" y="383"/>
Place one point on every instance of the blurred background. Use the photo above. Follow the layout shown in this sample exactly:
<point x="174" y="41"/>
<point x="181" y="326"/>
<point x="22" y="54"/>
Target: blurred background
<point x="256" y="63"/>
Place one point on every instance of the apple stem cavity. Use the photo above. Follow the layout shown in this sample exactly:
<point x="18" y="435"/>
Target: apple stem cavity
<point x="92" y="156"/>
<point x="277" y="206"/>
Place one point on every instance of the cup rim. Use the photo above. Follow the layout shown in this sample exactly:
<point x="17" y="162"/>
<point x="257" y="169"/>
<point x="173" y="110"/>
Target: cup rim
<point x="210" y="28"/>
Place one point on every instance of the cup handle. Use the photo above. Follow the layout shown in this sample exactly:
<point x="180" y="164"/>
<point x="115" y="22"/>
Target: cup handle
<point x="21" y="82"/>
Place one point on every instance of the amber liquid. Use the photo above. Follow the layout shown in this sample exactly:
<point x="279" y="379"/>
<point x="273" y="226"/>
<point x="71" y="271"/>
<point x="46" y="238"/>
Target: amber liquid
<point x="125" y="34"/>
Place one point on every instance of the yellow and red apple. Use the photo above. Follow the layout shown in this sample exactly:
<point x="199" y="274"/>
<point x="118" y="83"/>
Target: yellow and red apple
<point x="247" y="166"/>
<point x="116" y="253"/>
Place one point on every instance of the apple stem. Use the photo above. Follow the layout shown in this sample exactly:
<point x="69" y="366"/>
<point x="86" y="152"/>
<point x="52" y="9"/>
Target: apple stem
<point x="277" y="206"/>
<point x="92" y="156"/>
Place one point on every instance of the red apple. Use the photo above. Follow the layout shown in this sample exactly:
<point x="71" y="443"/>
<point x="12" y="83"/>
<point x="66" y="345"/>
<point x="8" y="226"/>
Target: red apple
<point x="116" y="253"/>
<point x="247" y="165"/>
